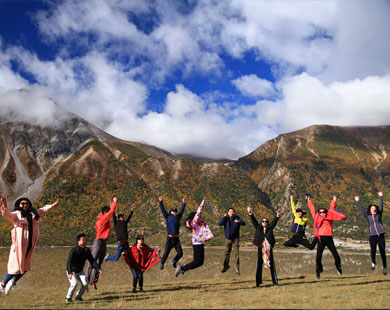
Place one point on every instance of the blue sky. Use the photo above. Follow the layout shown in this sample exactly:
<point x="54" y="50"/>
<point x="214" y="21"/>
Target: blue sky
<point x="210" y="78"/>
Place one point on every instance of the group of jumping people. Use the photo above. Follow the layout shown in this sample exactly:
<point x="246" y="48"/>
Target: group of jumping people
<point x="140" y="257"/>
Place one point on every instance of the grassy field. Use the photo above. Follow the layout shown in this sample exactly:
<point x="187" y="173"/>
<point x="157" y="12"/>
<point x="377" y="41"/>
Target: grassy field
<point x="46" y="285"/>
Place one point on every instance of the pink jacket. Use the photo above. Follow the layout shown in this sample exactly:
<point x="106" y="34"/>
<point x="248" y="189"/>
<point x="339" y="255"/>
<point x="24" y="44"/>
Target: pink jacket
<point x="200" y="230"/>
<point x="18" y="262"/>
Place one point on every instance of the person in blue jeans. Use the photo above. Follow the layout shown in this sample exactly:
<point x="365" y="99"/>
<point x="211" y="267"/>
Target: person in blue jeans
<point x="122" y="234"/>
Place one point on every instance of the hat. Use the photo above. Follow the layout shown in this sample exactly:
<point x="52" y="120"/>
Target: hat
<point x="300" y="210"/>
<point x="173" y="210"/>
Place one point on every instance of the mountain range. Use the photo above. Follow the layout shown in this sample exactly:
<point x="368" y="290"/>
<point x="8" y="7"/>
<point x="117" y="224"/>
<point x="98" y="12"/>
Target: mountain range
<point x="85" y="167"/>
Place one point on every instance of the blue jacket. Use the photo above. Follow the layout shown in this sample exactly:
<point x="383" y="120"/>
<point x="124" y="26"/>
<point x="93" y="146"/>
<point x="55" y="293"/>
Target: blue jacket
<point x="173" y="221"/>
<point x="232" y="229"/>
<point x="374" y="220"/>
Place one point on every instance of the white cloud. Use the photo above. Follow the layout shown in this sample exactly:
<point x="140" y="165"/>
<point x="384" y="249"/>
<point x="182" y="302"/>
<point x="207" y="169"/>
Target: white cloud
<point x="253" y="86"/>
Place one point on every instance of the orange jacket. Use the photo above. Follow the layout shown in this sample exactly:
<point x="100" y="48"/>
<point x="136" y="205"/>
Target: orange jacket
<point x="323" y="225"/>
<point x="103" y="225"/>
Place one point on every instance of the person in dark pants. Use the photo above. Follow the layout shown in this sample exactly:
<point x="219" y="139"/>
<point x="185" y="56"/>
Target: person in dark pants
<point x="373" y="215"/>
<point x="265" y="241"/>
<point x="140" y="257"/>
<point x="200" y="234"/>
<point x="122" y="235"/>
<point x="323" y="230"/>
<point x="99" y="248"/>
<point x="173" y="226"/>
<point x="232" y="224"/>
<point x="298" y="228"/>
<point x="74" y="267"/>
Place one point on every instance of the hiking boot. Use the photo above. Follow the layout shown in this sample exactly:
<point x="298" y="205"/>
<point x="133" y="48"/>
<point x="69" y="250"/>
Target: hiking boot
<point x="384" y="271"/>
<point x="68" y="300"/>
<point x="339" y="271"/>
<point x="8" y="287"/>
<point x="141" y="290"/>
<point x="93" y="284"/>
<point x="178" y="271"/>
<point x="161" y="266"/>
<point x="174" y="263"/>
<point x="318" y="274"/>
<point x="225" y="268"/>
<point x="134" y="290"/>
<point x="372" y="266"/>
<point x="78" y="298"/>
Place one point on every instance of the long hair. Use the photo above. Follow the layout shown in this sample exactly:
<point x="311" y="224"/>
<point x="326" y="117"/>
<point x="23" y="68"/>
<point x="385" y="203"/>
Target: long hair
<point x="189" y="219"/>
<point x="369" y="209"/>
<point x="26" y="213"/>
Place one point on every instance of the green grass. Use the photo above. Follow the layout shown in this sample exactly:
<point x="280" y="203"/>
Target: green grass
<point x="46" y="285"/>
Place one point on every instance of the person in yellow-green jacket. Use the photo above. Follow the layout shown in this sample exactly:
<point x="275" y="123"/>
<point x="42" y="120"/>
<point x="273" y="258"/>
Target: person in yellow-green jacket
<point x="298" y="228"/>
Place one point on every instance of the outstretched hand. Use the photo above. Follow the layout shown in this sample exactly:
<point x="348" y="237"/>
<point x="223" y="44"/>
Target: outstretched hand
<point x="203" y="201"/>
<point x="249" y="209"/>
<point x="55" y="203"/>
<point x="334" y="198"/>
<point x="115" y="199"/>
<point x="380" y="194"/>
<point x="160" y="199"/>
<point x="132" y="208"/>
<point x="184" y="199"/>
<point x="357" y="198"/>
<point x="278" y="213"/>
<point x="4" y="203"/>
<point x="100" y="271"/>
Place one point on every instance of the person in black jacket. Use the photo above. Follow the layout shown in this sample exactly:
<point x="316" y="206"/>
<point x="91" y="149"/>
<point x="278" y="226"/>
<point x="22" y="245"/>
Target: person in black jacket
<point x="265" y="241"/>
<point x="232" y="224"/>
<point x="173" y="226"/>
<point x="122" y="235"/>
<point x="74" y="268"/>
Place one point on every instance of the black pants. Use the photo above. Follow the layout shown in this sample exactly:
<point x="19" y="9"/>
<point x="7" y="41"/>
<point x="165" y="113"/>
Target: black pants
<point x="198" y="258"/>
<point x="172" y="242"/>
<point x="326" y="241"/>
<point x="380" y="241"/>
<point x="300" y="238"/>
<point x="137" y="275"/>
<point x="259" y="271"/>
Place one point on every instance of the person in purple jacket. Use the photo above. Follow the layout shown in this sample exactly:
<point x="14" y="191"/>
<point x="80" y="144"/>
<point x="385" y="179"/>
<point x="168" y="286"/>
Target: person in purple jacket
<point x="173" y="225"/>
<point x="373" y="215"/>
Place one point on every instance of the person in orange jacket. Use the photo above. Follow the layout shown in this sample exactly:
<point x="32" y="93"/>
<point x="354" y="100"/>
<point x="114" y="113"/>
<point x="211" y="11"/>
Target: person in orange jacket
<point x="99" y="247"/>
<point x="323" y="230"/>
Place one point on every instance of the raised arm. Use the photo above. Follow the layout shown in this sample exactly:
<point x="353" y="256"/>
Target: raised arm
<point x="253" y="219"/>
<point x="132" y="208"/>
<point x="114" y="218"/>
<point x="380" y="202"/>
<point x="333" y="203"/>
<point x="357" y="199"/>
<point x="182" y="208"/>
<point x="106" y="217"/>
<point x="275" y="220"/>
<point x="45" y="209"/>
<point x="311" y="206"/>
<point x="293" y="209"/>
<point x="163" y="211"/>
<point x="199" y="211"/>
<point x="12" y="217"/>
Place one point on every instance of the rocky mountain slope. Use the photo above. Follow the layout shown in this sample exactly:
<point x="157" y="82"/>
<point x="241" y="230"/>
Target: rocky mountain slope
<point x="85" y="167"/>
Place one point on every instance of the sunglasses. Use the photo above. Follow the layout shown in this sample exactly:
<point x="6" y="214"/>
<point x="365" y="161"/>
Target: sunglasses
<point x="264" y="221"/>
<point x="24" y="203"/>
<point x="322" y="212"/>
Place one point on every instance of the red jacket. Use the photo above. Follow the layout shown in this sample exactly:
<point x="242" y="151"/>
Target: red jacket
<point x="141" y="259"/>
<point x="103" y="225"/>
<point x="323" y="225"/>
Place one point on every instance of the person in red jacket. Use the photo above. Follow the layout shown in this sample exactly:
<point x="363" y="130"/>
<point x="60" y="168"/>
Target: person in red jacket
<point x="99" y="247"/>
<point x="323" y="222"/>
<point x="140" y="258"/>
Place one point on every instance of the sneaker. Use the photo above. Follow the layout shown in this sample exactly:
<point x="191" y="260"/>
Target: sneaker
<point x="68" y="300"/>
<point x="237" y="271"/>
<point x="318" y="274"/>
<point x="1" y="288"/>
<point x="134" y="290"/>
<point x="225" y="268"/>
<point x="93" y="284"/>
<point x="339" y="271"/>
<point x="384" y="271"/>
<point x="161" y="266"/>
<point x="174" y="263"/>
<point x="106" y="258"/>
<point x="8" y="287"/>
<point x="141" y="290"/>
<point x="178" y="271"/>
<point x="78" y="298"/>
<point x="372" y="266"/>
